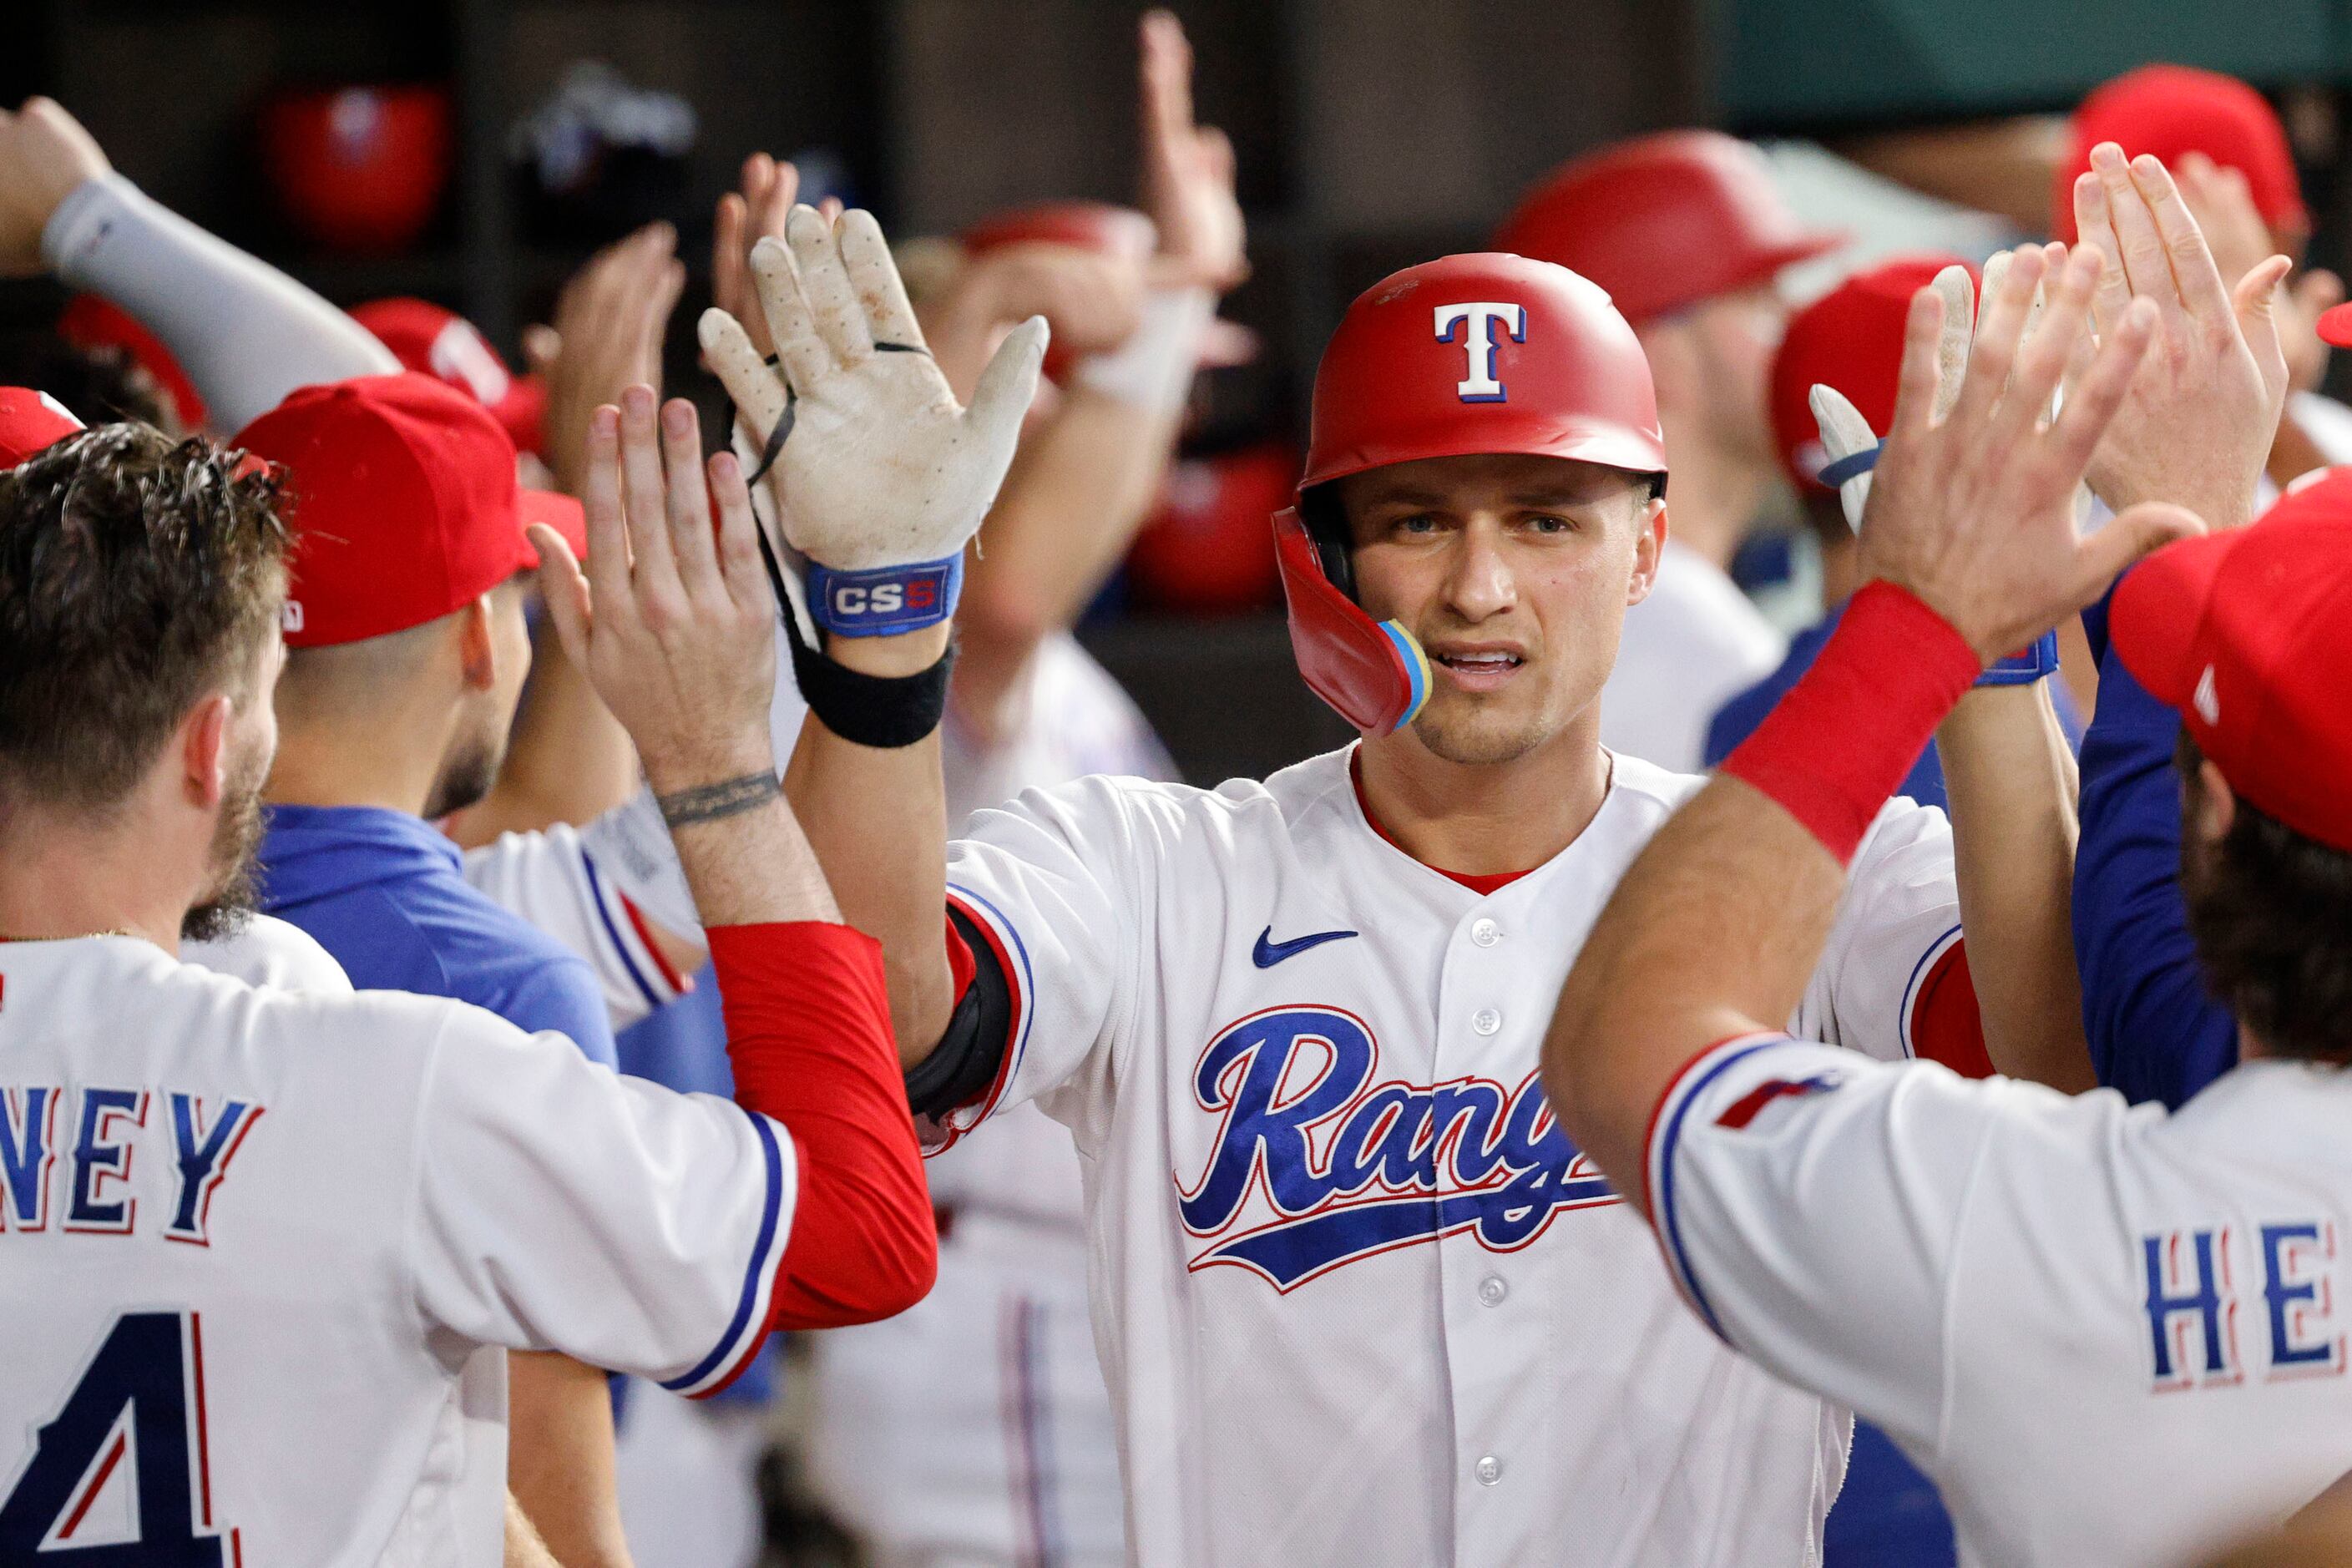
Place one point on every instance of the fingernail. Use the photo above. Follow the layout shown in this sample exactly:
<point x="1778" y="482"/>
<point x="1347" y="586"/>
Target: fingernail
<point x="2148" y="163"/>
<point x="2107" y="155"/>
<point x="605" y="420"/>
<point x="678" y="419"/>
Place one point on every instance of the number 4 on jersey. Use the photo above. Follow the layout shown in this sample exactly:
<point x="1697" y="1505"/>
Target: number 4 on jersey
<point x="135" y="1420"/>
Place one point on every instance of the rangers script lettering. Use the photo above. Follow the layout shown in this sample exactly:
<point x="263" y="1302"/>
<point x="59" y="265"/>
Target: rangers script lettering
<point x="1350" y="1169"/>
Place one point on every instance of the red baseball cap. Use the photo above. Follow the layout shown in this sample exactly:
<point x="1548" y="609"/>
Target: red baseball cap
<point x="401" y="490"/>
<point x="2249" y="634"/>
<point x="423" y="337"/>
<point x="2170" y="110"/>
<point x="1851" y="339"/>
<point x="1664" y="221"/>
<point x="90" y="322"/>
<point x="31" y="422"/>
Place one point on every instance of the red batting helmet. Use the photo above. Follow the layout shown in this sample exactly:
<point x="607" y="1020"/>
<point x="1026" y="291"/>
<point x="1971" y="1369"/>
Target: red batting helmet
<point x="1851" y="339"/>
<point x="1459" y="356"/>
<point x="2169" y="111"/>
<point x="1663" y="222"/>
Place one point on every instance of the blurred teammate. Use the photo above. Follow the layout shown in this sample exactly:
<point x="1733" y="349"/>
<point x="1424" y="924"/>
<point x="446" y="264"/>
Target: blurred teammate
<point x="2110" y="1335"/>
<point x="374" y="1191"/>
<point x="1686" y="232"/>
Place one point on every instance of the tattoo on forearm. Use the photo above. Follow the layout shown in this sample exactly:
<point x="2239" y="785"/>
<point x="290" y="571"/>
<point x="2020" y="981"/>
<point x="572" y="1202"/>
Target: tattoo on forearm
<point x="706" y="802"/>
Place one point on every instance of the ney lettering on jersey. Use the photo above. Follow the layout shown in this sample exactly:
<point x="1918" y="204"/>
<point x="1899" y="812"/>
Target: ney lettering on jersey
<point x="97" y="1133"/>
<point x="1313" y="1165"/>
<point x="2193" y="1304"/>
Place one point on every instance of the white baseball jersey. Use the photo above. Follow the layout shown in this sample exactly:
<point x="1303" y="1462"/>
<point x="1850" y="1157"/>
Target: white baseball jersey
<point x="266" y="951"/>
<point x="1357" y="1299"/>
<point x="2109" y="1333"/>
<point x="255" y="1246"/>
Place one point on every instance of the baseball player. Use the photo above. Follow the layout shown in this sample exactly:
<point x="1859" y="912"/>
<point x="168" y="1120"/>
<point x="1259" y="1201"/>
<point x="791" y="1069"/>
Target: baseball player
<point x="2109" y="1334"/>
<point x="1345" y="1273"/>
<point x="382" y="1187"/>
<point x="1686" y="232"/>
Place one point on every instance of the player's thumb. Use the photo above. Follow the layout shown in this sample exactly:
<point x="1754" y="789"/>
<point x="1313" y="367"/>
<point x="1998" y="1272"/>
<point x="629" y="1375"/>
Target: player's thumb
<point x="2136" y="532"/>
<point x="2255" y="301"/>
<point x="1006" y="387"/>
<point x="564" y="588"/>
<point x="756" y="395"/>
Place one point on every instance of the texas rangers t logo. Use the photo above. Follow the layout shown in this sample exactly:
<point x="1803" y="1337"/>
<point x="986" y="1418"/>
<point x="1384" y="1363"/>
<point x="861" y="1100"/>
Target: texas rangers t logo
<point x="1473" y="326"/>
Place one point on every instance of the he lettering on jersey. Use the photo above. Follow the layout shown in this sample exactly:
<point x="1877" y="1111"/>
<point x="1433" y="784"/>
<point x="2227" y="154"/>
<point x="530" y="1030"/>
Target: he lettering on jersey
<point x="1473" y="326"/>
<point x="103" y="1129"/>
<point x="2193" y="1305"/>
<point x="1313" y="1165"/>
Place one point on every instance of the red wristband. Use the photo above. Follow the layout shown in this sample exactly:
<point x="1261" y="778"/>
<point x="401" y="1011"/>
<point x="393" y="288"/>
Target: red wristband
<point x="1842" y="738"/>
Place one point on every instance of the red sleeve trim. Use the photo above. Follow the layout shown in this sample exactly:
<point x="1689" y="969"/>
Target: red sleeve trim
<point x="677" y="982"/>
<point x="1945" y="1021"/>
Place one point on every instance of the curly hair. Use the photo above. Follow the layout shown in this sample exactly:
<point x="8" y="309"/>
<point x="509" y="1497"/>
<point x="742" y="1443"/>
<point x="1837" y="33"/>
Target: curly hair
<point x="2271" y="911"/>
<point x="137" y="575"/>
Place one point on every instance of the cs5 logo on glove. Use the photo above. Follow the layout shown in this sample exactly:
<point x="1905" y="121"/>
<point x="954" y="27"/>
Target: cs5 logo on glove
<point x="882" y="601"/>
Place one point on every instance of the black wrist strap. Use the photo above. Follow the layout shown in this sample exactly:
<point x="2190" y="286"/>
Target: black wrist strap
<point x="883" y="711"/>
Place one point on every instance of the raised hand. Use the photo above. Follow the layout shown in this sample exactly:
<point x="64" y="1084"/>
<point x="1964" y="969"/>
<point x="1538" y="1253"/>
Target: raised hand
<point x="1847" y="435"/>
<point x="2224" y="205"/>
<point x="2197" y="423"/>
<point x="1974" y="513"/>
<point x="1188" y="170"/>
<point x="674" y="627"/>
<point x="874" y="461"/>
<point x="607" y="335"/>
<point x="744" y="218"/>
<point x="44" y="154"/>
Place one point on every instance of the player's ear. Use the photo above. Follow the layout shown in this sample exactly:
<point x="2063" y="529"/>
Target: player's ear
<point x="203" y="748"/>
<point x="1649" y="545"/>
<point x="2215" y="802"/>
<point x="477" y="643"/>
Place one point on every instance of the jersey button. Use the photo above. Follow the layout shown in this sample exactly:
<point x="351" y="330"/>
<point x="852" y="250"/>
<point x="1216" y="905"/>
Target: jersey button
<point x="1485" y="933"/>
<point x="1485" y="1020"/>
<point x="1491" y="1290"/>
<point x="1488" y="1470"/>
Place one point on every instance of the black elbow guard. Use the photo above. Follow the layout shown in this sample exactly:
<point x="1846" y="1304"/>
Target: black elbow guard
<point x="971" y="1048"/>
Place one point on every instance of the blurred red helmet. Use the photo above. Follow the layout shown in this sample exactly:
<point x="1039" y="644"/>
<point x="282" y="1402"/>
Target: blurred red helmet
<point x="441" y="343"/>
<point x="1204" y="550"/>
<point x="1663" y="222"/>
<point x="361" y="169"/>
<point x="89" y="323"/>
<point x="2169" y="111"/>
<point x="30" y="422"/>
<point x="1850" y="338"/>
<point x="1468" y="354"/>
<point x="1097" y="227"/>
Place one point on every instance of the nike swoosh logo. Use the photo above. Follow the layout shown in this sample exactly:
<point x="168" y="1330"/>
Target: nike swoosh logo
<point x="1267" y="953"/>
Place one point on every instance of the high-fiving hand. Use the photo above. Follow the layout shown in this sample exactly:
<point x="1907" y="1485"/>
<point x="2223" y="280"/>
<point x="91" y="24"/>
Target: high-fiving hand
<point x="1975" y="513"/>
<point x="876" y="463"/>
<point x="2196" y="425"/>
<point x="44" y="154"/>
<point x="1188" y="171"/>
<point x="607" y="335"/>
<point x="674" y="627"/>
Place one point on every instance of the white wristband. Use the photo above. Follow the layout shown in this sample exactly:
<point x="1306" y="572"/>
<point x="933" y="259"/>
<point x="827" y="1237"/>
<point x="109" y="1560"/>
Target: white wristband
<point x="1153" y="369"/>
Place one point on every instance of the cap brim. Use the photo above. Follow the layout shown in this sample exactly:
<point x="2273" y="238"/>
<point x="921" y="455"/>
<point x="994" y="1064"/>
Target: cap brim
<point x="2159" y="609"/>
<point x="559" y="513"/>
<point x="2336" y="326"/>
